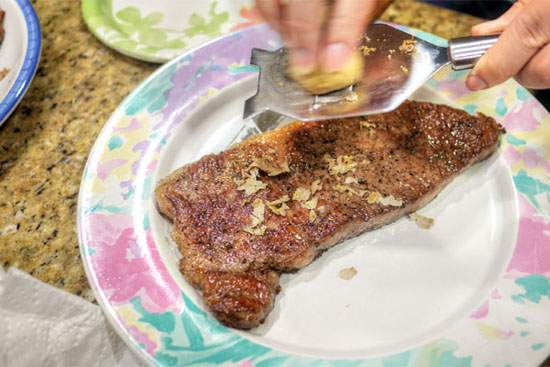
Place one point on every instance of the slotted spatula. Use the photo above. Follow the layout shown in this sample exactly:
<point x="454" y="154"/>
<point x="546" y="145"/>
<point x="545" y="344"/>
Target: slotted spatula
<point x="396" y="65"/>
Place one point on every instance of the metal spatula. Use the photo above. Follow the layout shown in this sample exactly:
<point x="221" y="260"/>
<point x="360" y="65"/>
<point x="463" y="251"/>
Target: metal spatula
<point x="396" y="65"/>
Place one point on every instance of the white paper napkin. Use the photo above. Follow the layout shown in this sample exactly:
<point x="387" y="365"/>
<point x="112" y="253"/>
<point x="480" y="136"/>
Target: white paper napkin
<point x="44" y="326"/>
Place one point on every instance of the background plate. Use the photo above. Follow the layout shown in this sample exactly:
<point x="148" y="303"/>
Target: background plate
<point x="157" y="31"/>
<point x="19" y="52"/>
<point x="459" y="294"/>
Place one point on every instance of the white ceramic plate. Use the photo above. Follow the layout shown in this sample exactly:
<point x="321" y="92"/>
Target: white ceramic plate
<point x="420" y="297"/>
<point x="19" y="52"/>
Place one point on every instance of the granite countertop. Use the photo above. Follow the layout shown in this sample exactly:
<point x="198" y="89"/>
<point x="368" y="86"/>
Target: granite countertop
<point x="46" y="141"/>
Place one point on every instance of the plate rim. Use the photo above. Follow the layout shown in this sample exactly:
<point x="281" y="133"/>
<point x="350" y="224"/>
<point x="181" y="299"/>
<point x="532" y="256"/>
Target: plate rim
<point x="117" y="112"/>
<point x="33" y="51"/>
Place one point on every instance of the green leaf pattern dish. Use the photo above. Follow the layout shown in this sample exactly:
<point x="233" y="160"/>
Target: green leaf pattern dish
<point x="159" y="31"/>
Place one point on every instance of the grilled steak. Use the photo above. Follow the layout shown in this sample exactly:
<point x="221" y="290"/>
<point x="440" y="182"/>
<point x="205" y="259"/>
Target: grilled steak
<point x="274" y="202"/>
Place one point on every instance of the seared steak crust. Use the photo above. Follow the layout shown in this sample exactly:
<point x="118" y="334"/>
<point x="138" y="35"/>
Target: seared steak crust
<point x="234" y="245"/>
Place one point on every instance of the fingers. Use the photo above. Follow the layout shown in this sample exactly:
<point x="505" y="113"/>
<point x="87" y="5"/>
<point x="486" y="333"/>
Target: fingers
<point x="499" y="24"/>
<point x="302" y="21"/>
<point x="527" y="33"/>
<point x="270" y="11"/>
<point x="346" y="25"/>
<point x="318" y="33"/>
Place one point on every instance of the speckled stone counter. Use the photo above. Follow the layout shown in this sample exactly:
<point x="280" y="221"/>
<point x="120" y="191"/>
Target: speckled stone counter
<point x="45" y="143"/>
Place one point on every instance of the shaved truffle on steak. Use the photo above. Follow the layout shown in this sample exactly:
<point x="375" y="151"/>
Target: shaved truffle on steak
<point x="274" y="202"/>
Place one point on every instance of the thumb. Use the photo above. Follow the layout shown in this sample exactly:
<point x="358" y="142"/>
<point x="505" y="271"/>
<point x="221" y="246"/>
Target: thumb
<point x="528" y="32"/>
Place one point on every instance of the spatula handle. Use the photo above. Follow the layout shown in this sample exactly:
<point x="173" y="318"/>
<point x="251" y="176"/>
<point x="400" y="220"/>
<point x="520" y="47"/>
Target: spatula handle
<point x="465" y="51"/>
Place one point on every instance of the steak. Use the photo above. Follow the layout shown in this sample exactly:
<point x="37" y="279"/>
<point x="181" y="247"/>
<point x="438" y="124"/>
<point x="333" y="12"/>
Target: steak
<point x="274" y="202"/>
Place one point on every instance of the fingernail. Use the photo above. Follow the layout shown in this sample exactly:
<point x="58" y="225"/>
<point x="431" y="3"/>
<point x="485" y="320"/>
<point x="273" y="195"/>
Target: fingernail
<point x="303" y="60"/>
<point x="474" y="83"/>
<point x="335" y="56"/>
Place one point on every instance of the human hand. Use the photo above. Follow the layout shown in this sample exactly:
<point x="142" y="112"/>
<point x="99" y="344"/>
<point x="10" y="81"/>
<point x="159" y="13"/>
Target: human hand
<point x="522" y="50"/>
<point x="320" y="32"/>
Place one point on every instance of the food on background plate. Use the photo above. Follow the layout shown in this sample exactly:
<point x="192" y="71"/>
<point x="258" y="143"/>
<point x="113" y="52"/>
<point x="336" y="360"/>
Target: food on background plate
<point x="274" y="202"/>
<point x="319" y="81"/>
<point x="1" y="26"/>
<point x="3" y="73"/>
